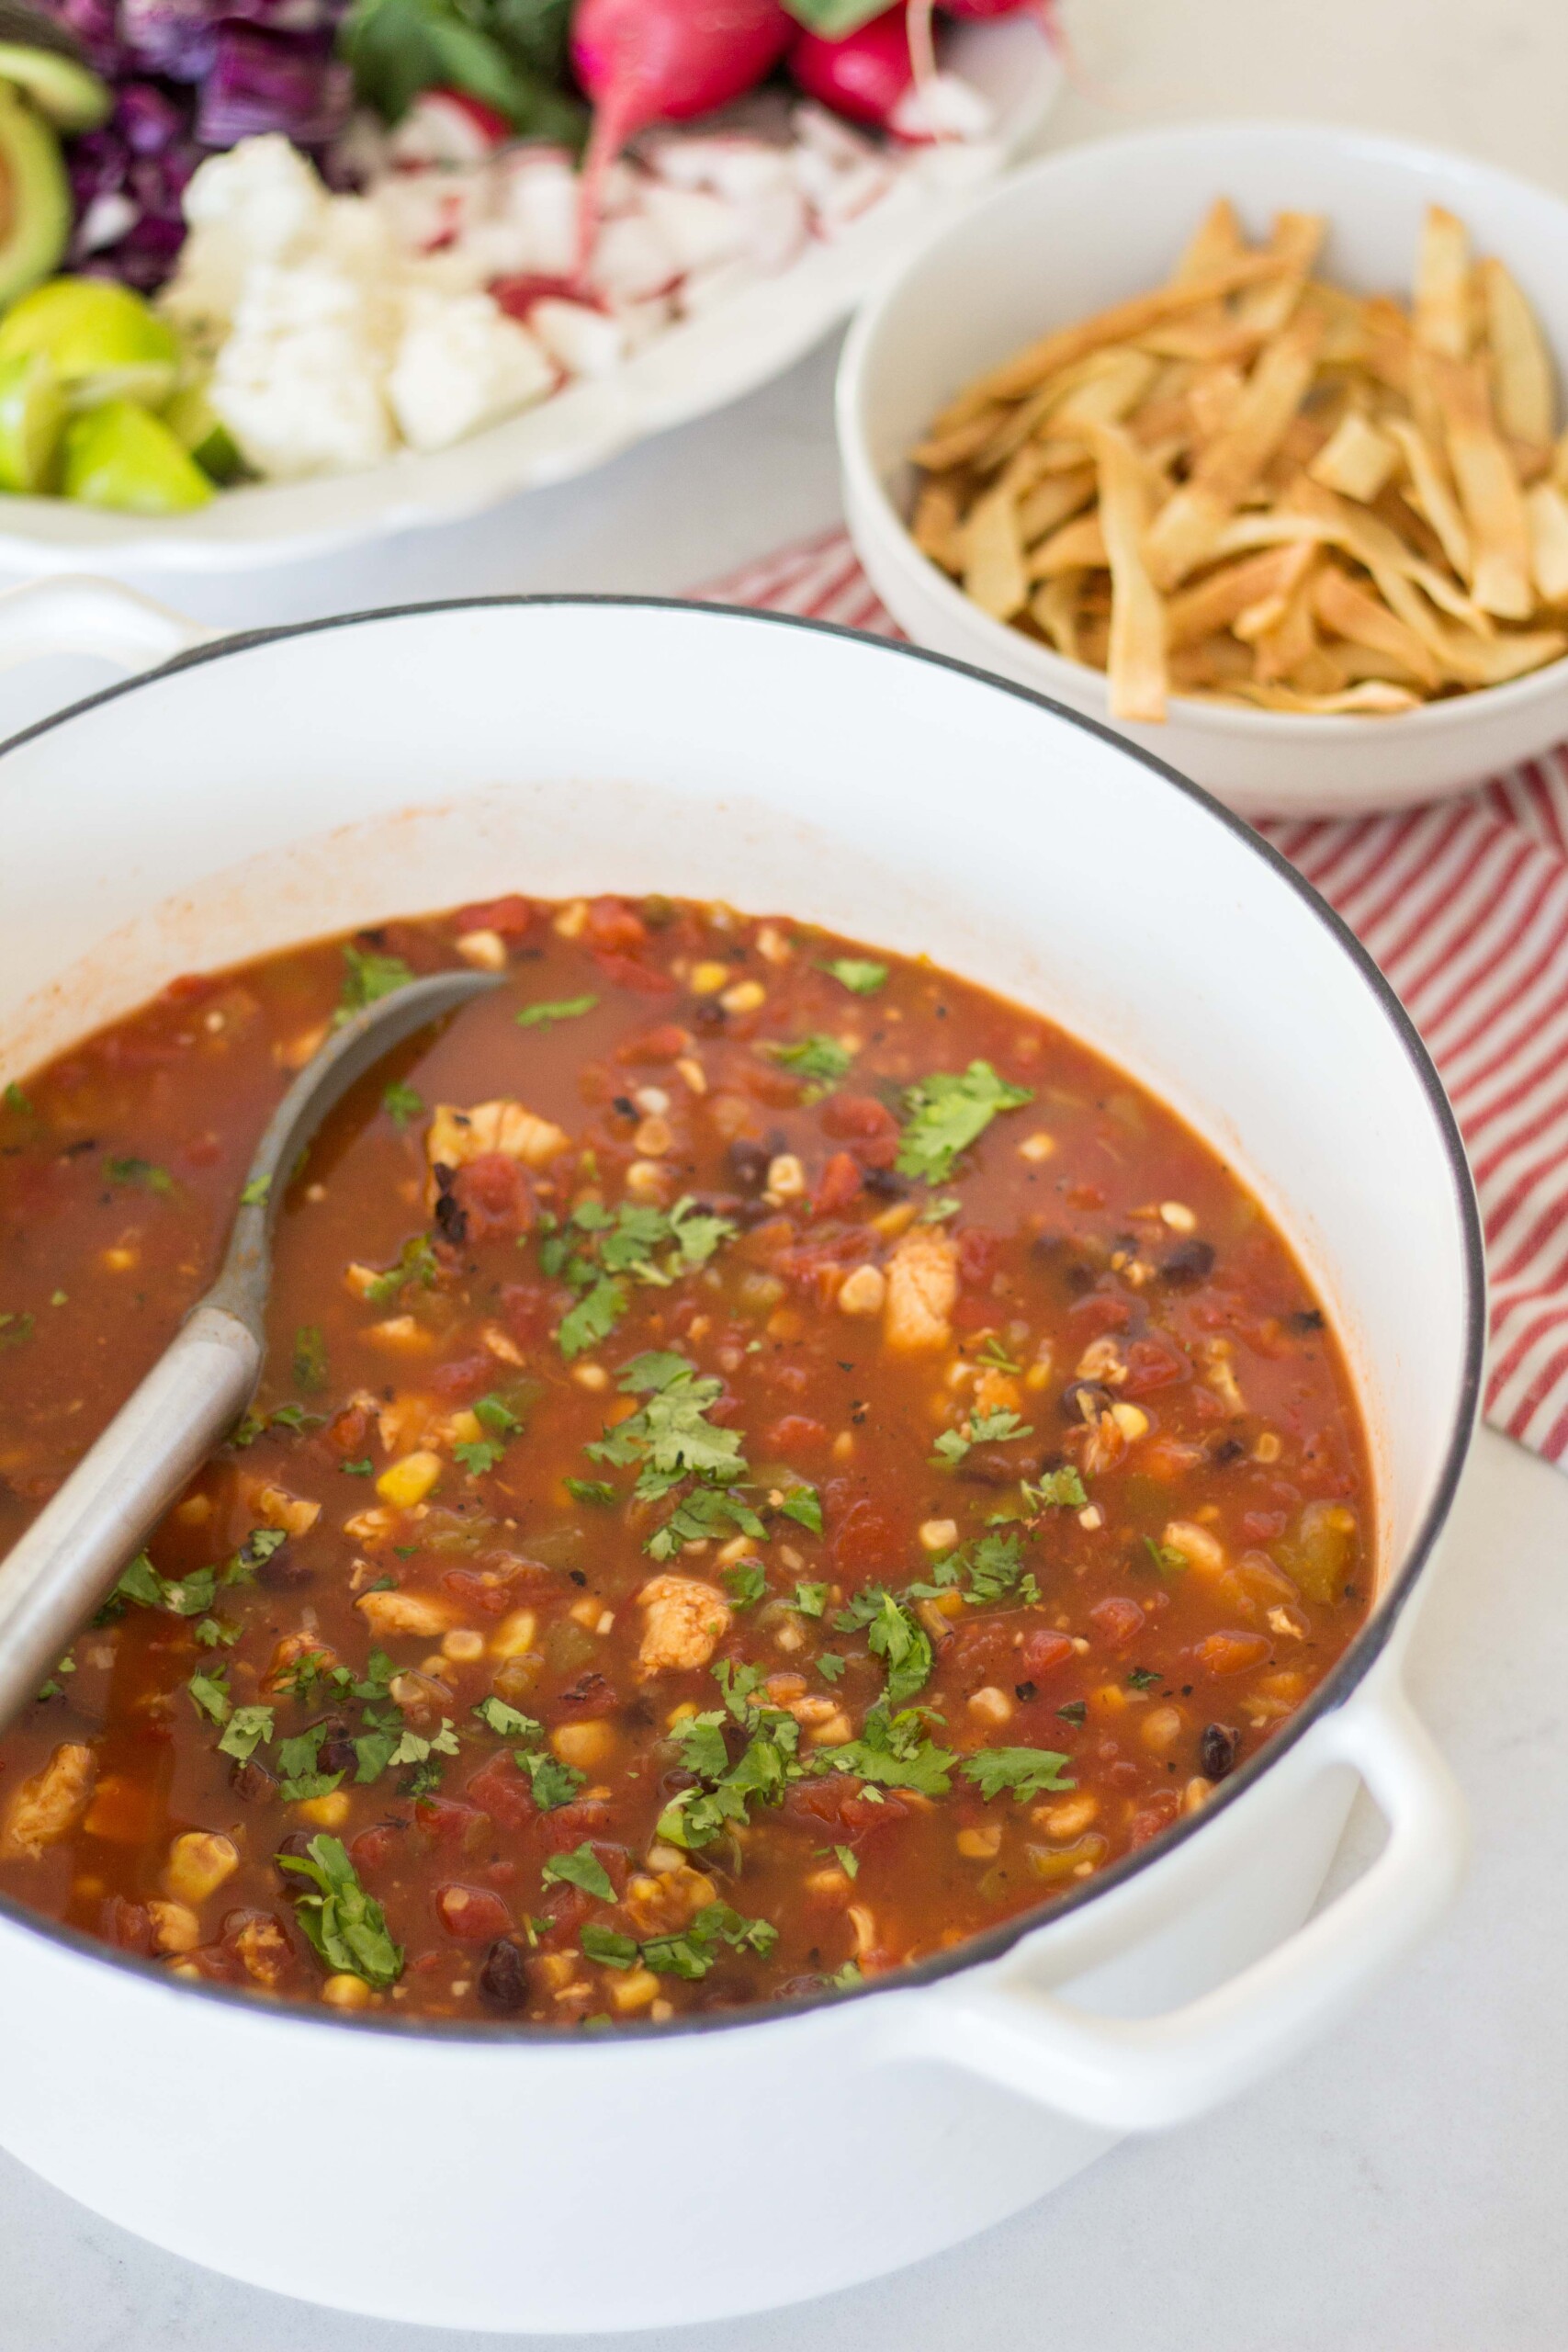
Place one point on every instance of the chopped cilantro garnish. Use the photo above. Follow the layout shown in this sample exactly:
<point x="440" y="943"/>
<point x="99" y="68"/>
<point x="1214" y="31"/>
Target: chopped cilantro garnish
<point x="553" y="1783"/>
<point x="811" y="1599"/>
<point x="507" y="1722"/>
<point x="830" y="1665"/>
<point x="947" y="1113"/>
<point x="988" y="1567"/>
<point x="368" y="977"/>
<point x="593" y="1318"/>
<point x="845" y="1979"/>
<point x="804" y="1505"/>
<point x="363" y="1468"/>
<point x="596" y="1491"/>
<point x="255" y="1193"/>
<point x="347" y="1926"/>
<point x="892" y="1635"/>
<point x="297" y="1764"/>
<point x="848" y="1861"/>
<point x="1074" y="1712"/>
<point x="1143" y="1678"/>
<point x="1063" y="1490"/>
<point x="401" y="1103"/>
<point x="15" y="1329"/>
<point x="746" y="1583"/>
<point x="1165" y="1557"/>
<point x="705" y="1512"/>
<point x="145" y="1174"/>
<point x="309" y="1357"/>
<point x="696" y="1816"/>
<point x="939" y="1208"/>
<point x="563" y="1008"/>
<point x="1026" y="1771"/>
<point x="692" y="1953"/>
<point x="581" y="1868"/>
<point x="282" y="1417"/>
<point x="247" y="1729"/>
<point x="14" y="1099"/>
<point x="985" y="1429"/>
<point x="671" y="1437"/>
<point x="857" y="974"/>
<point x="209" y="1695"/>
<point x="893" y="1752"/>
<point x="416" y="1262"/>
<point x="820" y="1060"/>
<point x="607" y="1947"/>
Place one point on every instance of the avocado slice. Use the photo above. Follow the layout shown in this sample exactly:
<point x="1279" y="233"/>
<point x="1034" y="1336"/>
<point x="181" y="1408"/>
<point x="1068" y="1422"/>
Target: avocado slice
<point x="35" y="197"/>
<point x="50" y="64"/>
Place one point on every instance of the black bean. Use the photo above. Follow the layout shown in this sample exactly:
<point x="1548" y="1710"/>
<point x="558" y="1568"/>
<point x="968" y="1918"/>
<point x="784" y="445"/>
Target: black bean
<point x="1228" y="1449"/>
<point x="625" y="1105"/>
<point x="1189" y="1263"/>
<point x="750" y="1162"/>
<point x="503" y="1979"/>
<point x="1024" y="1690"/>
<point x="709" y="1015"/>
<point x="335" y="1753"/>
<point x="1084" y="1400"/>
<point x="884" y="1181"/>
<point x="451" y="1219"/>
<point x="282" y="1568"/>
<point x="252" y="1781"/>
<point x="1217" y="1751"/>
<point x="997" y="1466"/>
<point x="1305" y="1318"/>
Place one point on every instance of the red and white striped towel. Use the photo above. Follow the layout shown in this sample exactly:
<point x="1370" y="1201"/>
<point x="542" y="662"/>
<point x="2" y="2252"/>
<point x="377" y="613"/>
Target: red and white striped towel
<point x="1465" y="907"/>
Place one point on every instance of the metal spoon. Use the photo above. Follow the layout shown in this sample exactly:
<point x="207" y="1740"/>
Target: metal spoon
<point x="70" y="1558"/>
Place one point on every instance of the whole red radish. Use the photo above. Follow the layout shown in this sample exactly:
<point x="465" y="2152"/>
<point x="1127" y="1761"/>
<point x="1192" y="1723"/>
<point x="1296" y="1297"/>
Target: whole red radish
<point x="863" y="76"/>
<point x="651" y="61"/>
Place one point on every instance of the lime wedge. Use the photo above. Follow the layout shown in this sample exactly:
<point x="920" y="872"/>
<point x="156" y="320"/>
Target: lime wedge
<point x="197" y="426"/>
<point x="32" y="411"/>
<point x="105" y="343"/>
<point x="116" y="455"/>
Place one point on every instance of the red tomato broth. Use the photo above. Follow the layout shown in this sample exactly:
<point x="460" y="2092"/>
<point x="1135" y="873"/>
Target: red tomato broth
<point x="1103" y="1279"/>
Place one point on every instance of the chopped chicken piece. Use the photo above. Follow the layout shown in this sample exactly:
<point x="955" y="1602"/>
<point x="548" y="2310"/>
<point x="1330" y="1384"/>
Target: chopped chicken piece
<point x="686" y="1621"/>
<point x="404" y="1613"/>
<point x="47" y="1808"/>
<point x="922" y="1289"/>
<point x="455" y="1136"/>
<point x="275" y="1507"/>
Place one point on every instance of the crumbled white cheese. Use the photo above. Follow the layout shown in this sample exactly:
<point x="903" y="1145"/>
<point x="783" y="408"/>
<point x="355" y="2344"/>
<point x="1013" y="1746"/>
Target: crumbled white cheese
<point x="461" y="364"/>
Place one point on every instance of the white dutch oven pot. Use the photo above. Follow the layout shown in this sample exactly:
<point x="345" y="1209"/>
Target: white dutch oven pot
<point x="270" y="788"/>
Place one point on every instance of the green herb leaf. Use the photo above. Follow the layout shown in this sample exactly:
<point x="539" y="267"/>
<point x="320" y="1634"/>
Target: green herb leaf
<point x="818" y="1058"/>
<point x="592" y="1319"/>
<point x="507" y="1722"/>
<point x="830" y="1665"/>
<point x="552" y="1783"/>
<point x="811" y="1599"/>
<point x="14" y="1099"/>
<point x="1026" y="1771"/>
<point x="746" y="1582"/>
<point x="893" y="1752"/>
<point x="416" y="1263"/>
<point x="309" y="1357"/>
<point x="564" y="1008"/>
<point x="804" y="1505"/>
<point x="607" y="1946"/>
<point x="247" y="1729"/>
<point x="209" y="1695"/>
<point x="15" y="1329"/>
<point x="857" y="974"/>
<point x="363" y="1468"/>
<point x="144" y="1174"/>
<point x="1061" y="1489"/>
<point x="596" y="1491"/>
<point x="1167" y="1560"/>
<point x="255" y="1193"/>
<point x="401" y="1104"/>
<point x="848" y="1861"/>
<point x="1143" y="1678"/>
<point x="581" y="1868"/>
<point x="1074" y="1712"/>
<point x="947" y="1113"/>
<point x="368" y="977"/>
<point x="347" y="1926"/>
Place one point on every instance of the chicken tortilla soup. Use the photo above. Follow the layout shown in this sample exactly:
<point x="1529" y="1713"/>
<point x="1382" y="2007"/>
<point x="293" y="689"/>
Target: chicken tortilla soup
<point x="770" y="1460"/>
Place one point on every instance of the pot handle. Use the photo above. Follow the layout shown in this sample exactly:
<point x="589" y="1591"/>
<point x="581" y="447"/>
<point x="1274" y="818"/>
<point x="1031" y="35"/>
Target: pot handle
<point x="1140" y="2074"/>
<point x="79" y="614"/>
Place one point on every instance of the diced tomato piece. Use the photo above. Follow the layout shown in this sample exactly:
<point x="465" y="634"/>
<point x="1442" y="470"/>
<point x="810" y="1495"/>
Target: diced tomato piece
<point x="973" y="1314"/>
<point x="123" y="1811"/>
<point x="865" y="1123"/>
<point x="511" y="916"/>
<point x="565" y="1907"/>
<point x="626" y="972"/>
<point x="495" y="1197"/>
<point x="1043" y="1650"/>
<point x="838" y="1185"/>
<point x="129" y="1925"/>
<point x="588" y="1817"/>
<point x="202" y="1151"/>
<point x="795" y="1434"/>
<point x="1263" y="1526"/>
<point x="612" y="924"/>
<point x="1157" y="1813"/>
<point x="448" y="1820"/>
<point x="503" y="1792"/>
<point x="527" y="1311"/>
<point x="665" y="1044"/>
<point x="1117" y="1620"/>
<point x="1096" y="1313"/>
<point x="347" y="1431"/>
<point x="374" y="1848"/>
<point x="464" y="1377"/>
<point x="192" y="987"/>
<point x="977" y="1256"/>
<point x="472" y="1914"/>
<point x="865" y="1538"/>
<point x="840" y="1801"/>
<point x="486" y="1590"/>
<point x="1153" y="1364"/>
<point x="1231" y="1653"/>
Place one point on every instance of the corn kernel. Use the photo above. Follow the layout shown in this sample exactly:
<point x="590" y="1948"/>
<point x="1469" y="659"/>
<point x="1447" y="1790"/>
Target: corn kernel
<point x="980" y="1845"/>
<point x="786" y="1178"/>
<point x="175" y="1926"/>
<point x="939" y="1534"/>
<point x="463" y="1645"/>
<point x="646" y="1181"/>
<point x="485" y="950"/>
<point x="199" y="1861"/>
<point x="863" y="1292"/>
<point x="989" y="1705"/>
<point x="408" y="1482"/>
<point x="329" y="1812"/>
<point x="746" y="996"/>
<point x="634" y="1988"/>
<point x="591" y="1376"/>
<point x="346" y="1992"/>
<point x="708" y="978"/>
<point x="514" y="1635"/>
<point x="1037" y="1146"/>
<point x="654" y="1138"/>
<point x="582" y="1743"/>
<point x="1179" y="1216"/>
<point x="1129" y="1419"/>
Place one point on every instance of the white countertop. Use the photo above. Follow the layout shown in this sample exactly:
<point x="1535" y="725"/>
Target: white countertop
<point x="1402" y="2189"/>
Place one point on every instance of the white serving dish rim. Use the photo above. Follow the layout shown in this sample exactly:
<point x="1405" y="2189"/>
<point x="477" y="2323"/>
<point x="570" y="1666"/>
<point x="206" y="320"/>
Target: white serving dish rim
<point x="1224" y="718"/>
<point x="1338" y="1687"/>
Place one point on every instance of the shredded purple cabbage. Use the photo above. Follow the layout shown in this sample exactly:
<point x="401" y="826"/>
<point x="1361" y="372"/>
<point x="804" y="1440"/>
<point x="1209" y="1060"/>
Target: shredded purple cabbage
<point x="190" y="77"/>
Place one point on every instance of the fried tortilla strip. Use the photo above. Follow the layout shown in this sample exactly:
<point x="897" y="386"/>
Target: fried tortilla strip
<point x="1107" y="397"/>
<point x="1373" y="698"/>
<point x="1492" y="661"/>
<point x="1356" y="461"/>
<point x="1055" y="609"/>
<point x="1215" y="660"/>
<point x="1077" y="547"/>
<point x="1217" y="240"/>
<point x="1521" y="369"/>
<point x="1294" y="246"/>
<point x="1489" y="493"/>
<point x="1442" y="308"/>
<point x="1288" y="650"/>
<point x="994" y="576"/>
<point x="935" y="529"/>
<point x="1123" y="323"/>
<point x="1051" y="502"/>
<point x="1385" y="344"/>
<point x="1349" y="612"/>
<point x="1211" y="397"/>
<point x="1184" y="532"/>
<point x="1548" y="511"/>
<point x="1136" y="658"/>
<point x="1433" y="496"/>
<point x="1214" y="603"/>
<point x="955" y="446"/>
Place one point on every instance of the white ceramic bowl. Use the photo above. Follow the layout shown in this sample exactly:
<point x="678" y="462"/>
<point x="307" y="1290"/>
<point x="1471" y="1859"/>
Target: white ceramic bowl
<point x="1082" y="229"/>
<point x="411" y="761"/>
<point x="693" y="370"/>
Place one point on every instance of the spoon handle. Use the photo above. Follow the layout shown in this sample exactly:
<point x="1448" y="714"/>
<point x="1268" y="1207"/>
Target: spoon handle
<point x="53" y="1580"/>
